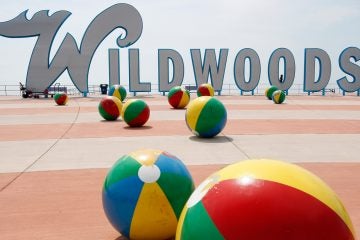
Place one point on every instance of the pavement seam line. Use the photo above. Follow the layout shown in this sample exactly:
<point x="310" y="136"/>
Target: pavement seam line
<point x="236" y="146"/>
<point x="44" y="153"/>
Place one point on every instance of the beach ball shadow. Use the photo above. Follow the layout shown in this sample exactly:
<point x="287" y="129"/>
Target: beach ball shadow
<point x="111" y="121"/>
<point x="138" y="128"/>
<point x="124" y="238"/>
<point x="121" y="238"/>
<point x="216" y="139"/>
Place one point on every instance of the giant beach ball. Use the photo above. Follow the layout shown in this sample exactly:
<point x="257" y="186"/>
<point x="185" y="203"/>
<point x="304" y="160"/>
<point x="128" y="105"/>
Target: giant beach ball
<point x="206" y="116"/>
<point x="178" y="97"/>
<point x="118" y="91"/>
<point x="269" y="91"/>
<point x="135" y="112"/>
<point x="61" y="98"/>
<point x="278" y="96"/>
<point x="144" y="193"/>
<point x="205" y="89"/>
<point x="264" y="199"/>
<point x="110" y="108"/>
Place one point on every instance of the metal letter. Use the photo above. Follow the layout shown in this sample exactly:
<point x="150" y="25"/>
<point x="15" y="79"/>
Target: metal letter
<point x="114" y="67"/>
<point x="209" y="66"/>
<point x="350" y="68"/>
<point x="289" y="68"/>
<point x="165" y="56"/>
<point x="134" y="73"/>
<point x="239" y="69"/>
<point x="41" y="71"/>
<point x="311" y="55"/>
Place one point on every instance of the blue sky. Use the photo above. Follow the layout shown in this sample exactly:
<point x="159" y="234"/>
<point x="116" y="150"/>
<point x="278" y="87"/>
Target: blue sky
<point x="182" y="25"/>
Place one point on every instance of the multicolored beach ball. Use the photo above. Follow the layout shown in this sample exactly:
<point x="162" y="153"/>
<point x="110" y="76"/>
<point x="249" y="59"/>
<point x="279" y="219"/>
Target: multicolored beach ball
<point x="206" y="116"/>
<point x="61" y="98"/>
<point x="269" y="91"/>
<point x="110" y="108"/>
<point x="278" y="96"/>
<point x="117" y="91"/>
<point x="144" y="193"/>
<point x="264" y="199"/>
<point x="135" y="112"/>
<point x="178" y="97"/>
<point x="205" y="89"/>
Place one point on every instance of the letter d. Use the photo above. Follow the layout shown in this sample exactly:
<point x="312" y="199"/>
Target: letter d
<point x="165" y="56"/>
<point x="311" y="55"/>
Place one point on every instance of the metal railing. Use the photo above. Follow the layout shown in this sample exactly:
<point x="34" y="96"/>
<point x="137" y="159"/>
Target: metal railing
<point x="10" y="90"/>
<point x="228" y="89"/>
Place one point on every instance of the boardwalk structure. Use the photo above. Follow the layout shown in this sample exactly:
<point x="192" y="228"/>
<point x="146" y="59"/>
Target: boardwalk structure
<point x="54" y="158"/>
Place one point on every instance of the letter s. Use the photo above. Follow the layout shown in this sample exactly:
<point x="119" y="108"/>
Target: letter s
<point x="350" y="68"/>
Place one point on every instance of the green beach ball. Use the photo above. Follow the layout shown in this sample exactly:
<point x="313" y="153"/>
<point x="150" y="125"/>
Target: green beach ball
<point x="269" y="91"/>
<point x="206" y="116"/>
<point x="278" y="97"/>
<point x="135" y="112"/>
<point x="144" y="193"/>
<point x="118" y="91"/>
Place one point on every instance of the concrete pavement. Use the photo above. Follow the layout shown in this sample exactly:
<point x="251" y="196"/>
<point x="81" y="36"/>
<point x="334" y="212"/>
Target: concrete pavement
<point x="71" y="147"/>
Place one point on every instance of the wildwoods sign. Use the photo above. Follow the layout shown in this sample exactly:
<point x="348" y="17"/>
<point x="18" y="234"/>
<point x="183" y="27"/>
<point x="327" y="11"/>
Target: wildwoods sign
<point x="43" y="72"/>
